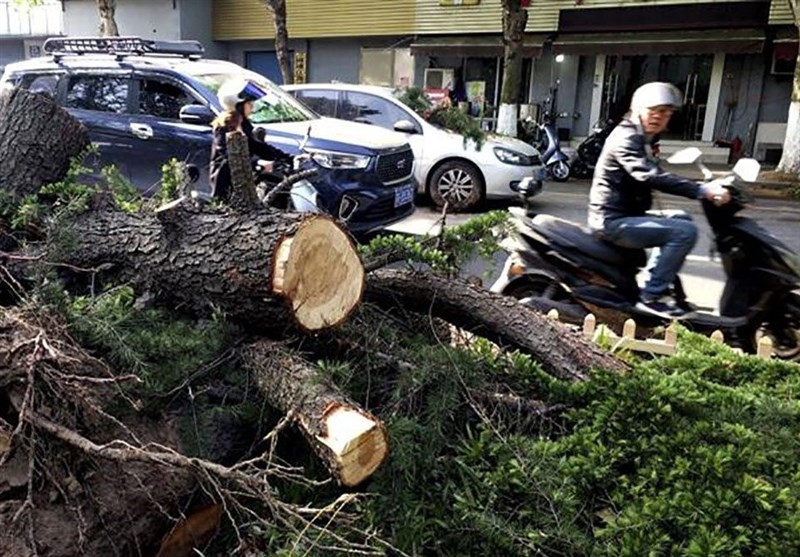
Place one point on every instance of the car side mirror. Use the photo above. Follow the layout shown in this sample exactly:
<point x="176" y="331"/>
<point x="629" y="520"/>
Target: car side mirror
<point x="405" y="126"/>
<point x="747" y="169"/>
<point x="197" y="114"/>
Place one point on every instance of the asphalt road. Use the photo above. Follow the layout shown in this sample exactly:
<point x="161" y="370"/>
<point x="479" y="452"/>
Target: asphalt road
<point x="703" y="277"/>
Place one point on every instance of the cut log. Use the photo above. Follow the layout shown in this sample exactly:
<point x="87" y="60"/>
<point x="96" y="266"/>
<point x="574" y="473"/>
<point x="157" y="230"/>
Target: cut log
<point x="561" y="352"/>
<point x="37" y="141"/>
<point x="349" y="440"/>
<point x="251" y="266"/>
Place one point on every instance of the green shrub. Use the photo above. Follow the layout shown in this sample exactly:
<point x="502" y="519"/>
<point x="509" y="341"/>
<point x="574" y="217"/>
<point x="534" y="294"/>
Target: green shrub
<point x="685" y="456"/>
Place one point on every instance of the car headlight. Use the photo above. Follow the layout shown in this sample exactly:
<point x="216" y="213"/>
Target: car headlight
<point x="340" y="161"/>
<point x="513" y="157"/>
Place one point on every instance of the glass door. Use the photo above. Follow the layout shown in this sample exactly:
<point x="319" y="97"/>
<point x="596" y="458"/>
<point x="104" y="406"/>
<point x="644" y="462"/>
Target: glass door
<point x="692" y="75"/>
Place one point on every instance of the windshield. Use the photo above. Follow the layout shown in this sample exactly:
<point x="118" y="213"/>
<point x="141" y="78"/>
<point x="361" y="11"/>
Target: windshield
<point x="274" y="106"/>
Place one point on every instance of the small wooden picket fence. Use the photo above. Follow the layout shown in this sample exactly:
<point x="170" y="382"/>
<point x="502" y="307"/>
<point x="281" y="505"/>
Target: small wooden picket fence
<point x="664" y="347"/>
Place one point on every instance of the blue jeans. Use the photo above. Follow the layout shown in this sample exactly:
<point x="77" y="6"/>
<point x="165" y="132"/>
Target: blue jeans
<point x="675" y="237"/>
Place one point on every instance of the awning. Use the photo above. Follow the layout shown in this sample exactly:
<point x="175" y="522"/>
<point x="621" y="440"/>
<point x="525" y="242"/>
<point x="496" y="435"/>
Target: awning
<point x="474" y="46"/>
<point x="786" y="44"/>
<point x="730" y="41"/>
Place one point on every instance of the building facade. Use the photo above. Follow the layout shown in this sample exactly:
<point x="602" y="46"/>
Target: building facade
<point x="733" y="59"/>
<point x="23" y="30"/>
<point x="154" y="19"/>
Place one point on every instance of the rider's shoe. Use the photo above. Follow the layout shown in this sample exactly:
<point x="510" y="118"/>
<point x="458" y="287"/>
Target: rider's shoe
<point x="664" y="307"/>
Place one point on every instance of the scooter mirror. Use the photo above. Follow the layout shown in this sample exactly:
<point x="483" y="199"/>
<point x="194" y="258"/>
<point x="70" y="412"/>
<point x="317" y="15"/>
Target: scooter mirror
<point x="690" y="155"/>
<point x="747" y="169"/>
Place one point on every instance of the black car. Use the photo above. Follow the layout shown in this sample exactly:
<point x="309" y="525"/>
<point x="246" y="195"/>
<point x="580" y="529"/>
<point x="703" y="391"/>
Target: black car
<point x="147" y="101"/>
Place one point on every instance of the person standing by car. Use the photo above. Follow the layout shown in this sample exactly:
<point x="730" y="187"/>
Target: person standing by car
<point x="621" y="195"/>
<point x="236" y="97"/>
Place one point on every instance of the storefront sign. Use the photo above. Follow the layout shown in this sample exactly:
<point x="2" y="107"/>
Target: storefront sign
<point x="299" y="67"/>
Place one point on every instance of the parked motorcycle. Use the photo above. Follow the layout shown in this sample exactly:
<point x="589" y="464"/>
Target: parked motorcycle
<point x="585" y="159"/>
<point x="554" y="263"/>
<point x="555" y="162"/>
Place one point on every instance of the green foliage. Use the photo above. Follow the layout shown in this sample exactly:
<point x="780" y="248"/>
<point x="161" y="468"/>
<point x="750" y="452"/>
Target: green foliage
<point x="161" y="350"/>
<point x="8" y="205"/>
<point x="70" y="196"/>
<point x="449" y="251"/>
<point x="172" y="180"/>
<point x="28" y="213"/>
<point x="125" y="195"/>
<point x="415" y="99"/>
<point x="447" y="116"/>
<point x="685" y="456"/>
<point x="454" y="119"/>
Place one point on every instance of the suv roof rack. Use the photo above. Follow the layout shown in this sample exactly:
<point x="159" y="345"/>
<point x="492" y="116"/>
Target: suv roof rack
<point x="121" y="47"/>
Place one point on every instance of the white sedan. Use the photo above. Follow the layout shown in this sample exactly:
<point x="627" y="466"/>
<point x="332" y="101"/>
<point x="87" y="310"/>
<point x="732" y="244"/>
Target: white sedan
<point x="446" y="169"/>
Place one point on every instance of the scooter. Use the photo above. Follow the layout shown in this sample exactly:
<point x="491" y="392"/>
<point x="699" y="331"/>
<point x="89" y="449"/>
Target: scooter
<point x="586" y="154"/>
<point x="554" y="160"/>
<point x="554" y="263"/>
<point x="285" y="186"/>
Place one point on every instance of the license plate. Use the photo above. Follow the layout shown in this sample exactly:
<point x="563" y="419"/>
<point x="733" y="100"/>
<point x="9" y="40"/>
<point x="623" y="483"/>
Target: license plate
<point x="403" y="196"/>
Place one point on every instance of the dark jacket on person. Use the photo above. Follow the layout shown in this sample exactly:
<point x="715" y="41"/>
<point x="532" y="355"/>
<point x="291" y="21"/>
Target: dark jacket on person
<point x="220" y="172"/>
<point x="625" y="175"/>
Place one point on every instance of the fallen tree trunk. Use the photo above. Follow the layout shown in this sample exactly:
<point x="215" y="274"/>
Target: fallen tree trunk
<point x="263" y="268"/>
<point x="503" y="320"/>
<point x="349" y="440"/>
<point x="37" y="141"/>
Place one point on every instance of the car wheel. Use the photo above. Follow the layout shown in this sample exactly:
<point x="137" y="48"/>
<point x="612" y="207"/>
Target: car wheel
<point x="559" y="170"/>
<point x="457" y="183"/>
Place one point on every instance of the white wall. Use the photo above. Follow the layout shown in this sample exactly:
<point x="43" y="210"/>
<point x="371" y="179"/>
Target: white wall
<point x="38" y="21"/>
<point x="152" y="19"/>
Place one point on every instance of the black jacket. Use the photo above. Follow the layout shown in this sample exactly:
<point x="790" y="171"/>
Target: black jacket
<point x="625" y="176"/>
<point x="220" y="172"/>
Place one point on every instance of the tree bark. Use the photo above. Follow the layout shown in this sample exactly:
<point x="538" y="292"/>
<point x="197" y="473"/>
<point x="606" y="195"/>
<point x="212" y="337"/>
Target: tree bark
<point x="515" y="18"/>
<point x="243" y="187"/>
<point x="37" y="141"/>
<point x="561" y="352"/>
<point x="108" y="25"/>
<point x="263" y="267"/>
<point x="349" y="440"/>
<point x="790" y="160"/>
<point x="278" y="10"/>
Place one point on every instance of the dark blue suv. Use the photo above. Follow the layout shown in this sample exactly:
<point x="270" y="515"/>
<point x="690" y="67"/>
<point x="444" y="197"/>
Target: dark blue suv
<point x="146" y="101"/>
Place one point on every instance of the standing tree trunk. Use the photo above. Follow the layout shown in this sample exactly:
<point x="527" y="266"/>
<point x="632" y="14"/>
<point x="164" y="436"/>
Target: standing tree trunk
<point x="108" y="25"/>
<point x="515" y="18"/>
<point x="278" y="9"/>
<point x="790" y="161"/>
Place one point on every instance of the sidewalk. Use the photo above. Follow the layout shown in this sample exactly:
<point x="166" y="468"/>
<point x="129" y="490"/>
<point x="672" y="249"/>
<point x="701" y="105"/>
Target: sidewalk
<point x="760" y="188"/>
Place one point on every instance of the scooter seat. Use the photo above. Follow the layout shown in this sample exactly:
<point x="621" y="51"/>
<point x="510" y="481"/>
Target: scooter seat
<point x="571" y="236"/>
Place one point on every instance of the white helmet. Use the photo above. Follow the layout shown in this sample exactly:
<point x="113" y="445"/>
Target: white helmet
<point x="656" y="93"/>
<point x="238" y="90"/>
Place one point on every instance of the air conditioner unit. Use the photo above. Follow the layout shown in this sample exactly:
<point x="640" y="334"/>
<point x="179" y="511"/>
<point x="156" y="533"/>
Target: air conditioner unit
<point x="439" y="78"/>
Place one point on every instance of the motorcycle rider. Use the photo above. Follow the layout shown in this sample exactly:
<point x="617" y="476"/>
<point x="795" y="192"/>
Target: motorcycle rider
<point x="237" y="96"/>
<point x="621" y="195"/>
